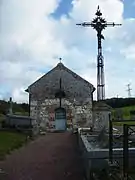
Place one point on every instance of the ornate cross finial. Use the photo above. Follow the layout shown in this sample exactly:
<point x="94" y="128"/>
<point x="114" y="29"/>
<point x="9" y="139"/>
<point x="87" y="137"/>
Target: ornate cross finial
<point x="98" y="13"/>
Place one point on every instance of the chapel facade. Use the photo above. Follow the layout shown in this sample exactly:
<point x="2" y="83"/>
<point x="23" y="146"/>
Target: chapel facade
<point x="61" y="99"/>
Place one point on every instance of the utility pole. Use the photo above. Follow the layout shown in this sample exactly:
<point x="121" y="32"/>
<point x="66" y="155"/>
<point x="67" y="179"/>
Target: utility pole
<point x="129" y="90"/>
<point x="99" y="24"/>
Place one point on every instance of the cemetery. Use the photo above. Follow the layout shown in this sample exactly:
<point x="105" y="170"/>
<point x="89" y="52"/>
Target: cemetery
<point x="103" y="157"/>
<point x="107" y="155"/>
<point x="61" y="105"/>
<point x="15" y="131"/>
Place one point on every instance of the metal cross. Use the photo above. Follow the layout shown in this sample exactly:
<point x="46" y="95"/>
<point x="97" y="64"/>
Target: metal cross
<point x="99" y="24"/>
<point x="60" y="59"/>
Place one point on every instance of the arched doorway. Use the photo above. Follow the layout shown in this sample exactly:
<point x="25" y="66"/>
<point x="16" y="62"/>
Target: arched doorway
<point x="60" y="119"/>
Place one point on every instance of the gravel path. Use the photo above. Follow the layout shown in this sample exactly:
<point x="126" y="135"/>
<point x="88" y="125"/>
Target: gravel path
<point x="54" y="156"/>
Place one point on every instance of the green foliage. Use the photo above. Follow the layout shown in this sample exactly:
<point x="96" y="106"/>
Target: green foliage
<point x="10" y="141"/>
<point x="120" y="102"/>
<point x="121" y="105"/>
<point x="22" y="108"/>
<point x="125" y="111"/>
<point x="1" y="117"/>
<point x="3" y="107"/>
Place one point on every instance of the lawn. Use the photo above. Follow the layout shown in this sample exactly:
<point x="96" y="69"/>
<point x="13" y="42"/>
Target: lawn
<point x="10" y="141"/>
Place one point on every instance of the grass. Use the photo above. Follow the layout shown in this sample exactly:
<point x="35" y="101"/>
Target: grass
<point x="126" y="115"/>
<point x="121" y="123"/>
<point x="10" y="141"/>
<point x="125" y="111"/>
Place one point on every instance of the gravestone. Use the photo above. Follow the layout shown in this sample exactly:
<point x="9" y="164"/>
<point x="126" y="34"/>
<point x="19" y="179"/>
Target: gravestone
<point x="101" y="113"/>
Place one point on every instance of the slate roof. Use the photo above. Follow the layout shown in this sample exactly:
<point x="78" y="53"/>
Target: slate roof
<point x="60" y="66"/>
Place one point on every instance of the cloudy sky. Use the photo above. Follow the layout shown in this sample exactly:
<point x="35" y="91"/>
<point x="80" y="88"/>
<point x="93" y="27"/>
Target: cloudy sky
<point x="35" y="33"/>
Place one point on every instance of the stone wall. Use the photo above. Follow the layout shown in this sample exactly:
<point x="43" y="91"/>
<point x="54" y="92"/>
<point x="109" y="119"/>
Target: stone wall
<point x="17" y="120"/>
<point x="101" y="119"/>
<point x="101" y="113"/>
<point x="77" y="102"/>
<point x="76" y="114"/>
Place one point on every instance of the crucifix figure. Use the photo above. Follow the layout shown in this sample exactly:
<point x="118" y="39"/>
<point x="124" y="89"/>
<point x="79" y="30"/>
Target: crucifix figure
<point x="99" y="24"/>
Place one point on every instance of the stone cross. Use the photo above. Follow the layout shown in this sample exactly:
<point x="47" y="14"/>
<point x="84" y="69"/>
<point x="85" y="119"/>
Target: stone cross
<point x="10" y="106"/>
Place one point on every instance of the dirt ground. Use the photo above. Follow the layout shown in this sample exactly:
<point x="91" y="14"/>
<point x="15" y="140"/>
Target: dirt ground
<point x="54" y="156"/>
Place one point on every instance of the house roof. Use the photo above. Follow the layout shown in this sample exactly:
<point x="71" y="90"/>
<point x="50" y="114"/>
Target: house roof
<point x="60" y="66"/>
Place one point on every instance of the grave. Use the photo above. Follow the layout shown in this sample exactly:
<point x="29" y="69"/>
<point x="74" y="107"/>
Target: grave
<point x="95" y="151"/>
<point x="18" y="122"/>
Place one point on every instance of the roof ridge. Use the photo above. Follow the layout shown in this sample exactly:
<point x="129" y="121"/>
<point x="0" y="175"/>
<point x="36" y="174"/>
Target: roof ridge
<point x="62" y="66"/>
<point x="76" y="75"/>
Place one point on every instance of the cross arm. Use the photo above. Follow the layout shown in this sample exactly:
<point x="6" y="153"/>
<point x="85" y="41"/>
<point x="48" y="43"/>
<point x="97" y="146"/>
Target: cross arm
<point x="84" y="24"/>
<point x="113" y="24"/>
<point x="94" y="24"/>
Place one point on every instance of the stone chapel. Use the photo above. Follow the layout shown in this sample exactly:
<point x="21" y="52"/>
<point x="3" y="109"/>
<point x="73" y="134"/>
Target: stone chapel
<point x="61" y="99"/>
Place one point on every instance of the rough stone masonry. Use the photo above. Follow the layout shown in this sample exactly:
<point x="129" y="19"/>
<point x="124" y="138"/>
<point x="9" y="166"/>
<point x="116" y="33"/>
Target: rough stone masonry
<point x="77" y="102"/>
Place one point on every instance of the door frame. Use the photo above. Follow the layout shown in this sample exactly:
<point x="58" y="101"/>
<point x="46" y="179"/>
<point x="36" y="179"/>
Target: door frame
<point x="64" y="112"/>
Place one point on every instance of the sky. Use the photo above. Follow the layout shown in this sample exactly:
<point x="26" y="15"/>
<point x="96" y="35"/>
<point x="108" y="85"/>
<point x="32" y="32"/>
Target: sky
<point x="34" y="34"/>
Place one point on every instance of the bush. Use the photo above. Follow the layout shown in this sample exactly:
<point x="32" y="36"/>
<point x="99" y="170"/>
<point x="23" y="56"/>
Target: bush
<point x="4" y="124"/>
